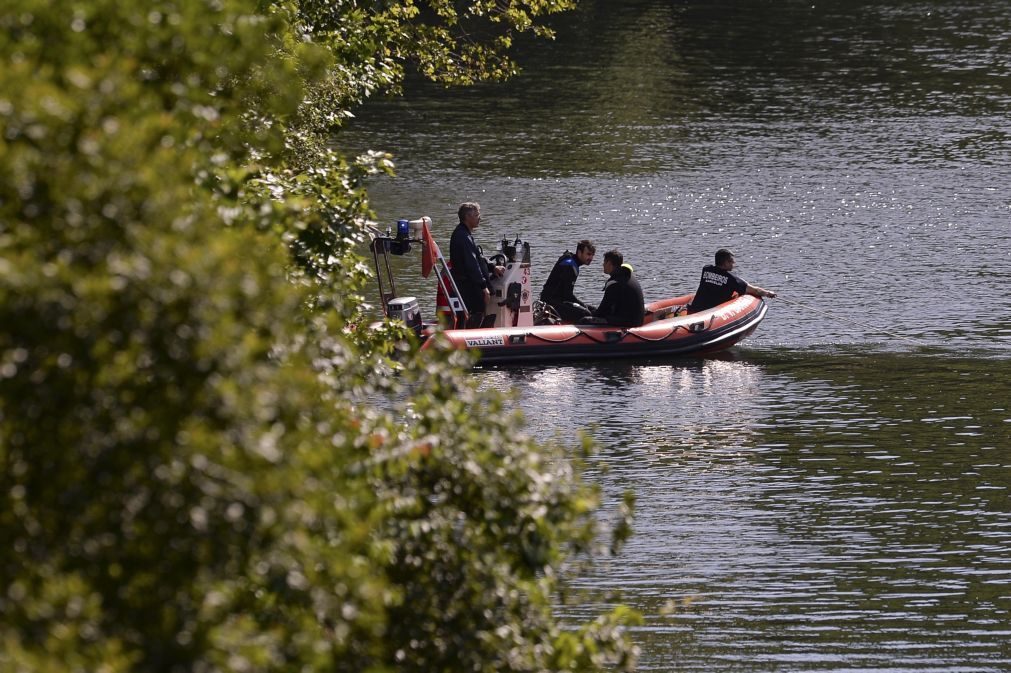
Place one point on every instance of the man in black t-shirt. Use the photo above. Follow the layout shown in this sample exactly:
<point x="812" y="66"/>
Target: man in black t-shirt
<point x="719" y="285"/>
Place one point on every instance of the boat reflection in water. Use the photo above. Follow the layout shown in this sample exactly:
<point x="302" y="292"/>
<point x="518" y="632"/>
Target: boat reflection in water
<point x="661" y="408"/>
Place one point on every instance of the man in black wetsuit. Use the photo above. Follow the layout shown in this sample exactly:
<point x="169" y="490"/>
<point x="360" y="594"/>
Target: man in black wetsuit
<point x="559" y="288"/>
<point x="719" y="285"/>
<point x="623" y="304"/>
<point x="471" y="271"/>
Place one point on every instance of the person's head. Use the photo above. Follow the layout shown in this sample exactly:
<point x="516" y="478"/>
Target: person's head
<point x="585" y="250"/>
<point x="725" y="259"/>
<point x="612" y="261"/>
<point x="470" y="214"/>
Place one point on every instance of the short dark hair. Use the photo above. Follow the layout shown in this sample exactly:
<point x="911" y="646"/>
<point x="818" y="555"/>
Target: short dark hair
<point x="723" y="255"/>
<point x="587" y="245"/>
<point x="466" y="208"/>
<point x="614" y="257"/>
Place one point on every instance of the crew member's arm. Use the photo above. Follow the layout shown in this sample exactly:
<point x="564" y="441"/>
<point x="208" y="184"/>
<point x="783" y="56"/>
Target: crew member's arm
<point x="479" y="268"/>
<point x="463" y="248"/>
<point x="463" y="254"/>
<point x="476" y="270"/>
<point x="569" y="276"/>
<point x="608" y="303"/>
<point x="756" y="291"/>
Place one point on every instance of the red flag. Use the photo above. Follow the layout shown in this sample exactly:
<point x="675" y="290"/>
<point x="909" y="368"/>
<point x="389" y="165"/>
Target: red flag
<point x="429" y="250"/>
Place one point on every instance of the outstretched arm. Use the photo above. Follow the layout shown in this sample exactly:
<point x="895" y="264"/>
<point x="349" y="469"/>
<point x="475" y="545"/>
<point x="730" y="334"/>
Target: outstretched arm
<point x="759" y="292"/>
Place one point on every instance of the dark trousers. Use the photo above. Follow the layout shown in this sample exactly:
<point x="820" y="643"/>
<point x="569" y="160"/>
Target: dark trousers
<point x="473" y="299"/>
<point x="570" y="312"/>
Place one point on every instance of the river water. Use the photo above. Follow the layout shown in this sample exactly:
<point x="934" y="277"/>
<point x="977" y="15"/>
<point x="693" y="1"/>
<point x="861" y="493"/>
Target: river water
<point x="831" y="494"/>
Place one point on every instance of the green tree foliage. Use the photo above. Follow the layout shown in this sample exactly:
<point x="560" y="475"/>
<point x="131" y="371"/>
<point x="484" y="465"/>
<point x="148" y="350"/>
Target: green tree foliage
<point x="203" y="464"/>
<point x="447" y="41"/>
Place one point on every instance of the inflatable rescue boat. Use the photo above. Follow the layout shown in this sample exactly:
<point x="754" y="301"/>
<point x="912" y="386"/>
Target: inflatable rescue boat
<point x="517" y="329"/>
<point x="695" y="334"/>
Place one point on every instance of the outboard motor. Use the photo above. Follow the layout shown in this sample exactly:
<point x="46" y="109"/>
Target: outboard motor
<point x="406" y="309"/>
<point x="510" y="295"/>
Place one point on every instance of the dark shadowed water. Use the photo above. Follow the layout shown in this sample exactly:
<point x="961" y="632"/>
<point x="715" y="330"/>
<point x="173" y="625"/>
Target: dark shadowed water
<point x="832" y="494"/>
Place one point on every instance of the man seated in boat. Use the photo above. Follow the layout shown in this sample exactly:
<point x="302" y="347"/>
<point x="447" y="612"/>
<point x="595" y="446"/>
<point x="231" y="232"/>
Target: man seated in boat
<point x="718" y="284"/>
<point x="623" y="304"/>
<point x="559" y="289"/>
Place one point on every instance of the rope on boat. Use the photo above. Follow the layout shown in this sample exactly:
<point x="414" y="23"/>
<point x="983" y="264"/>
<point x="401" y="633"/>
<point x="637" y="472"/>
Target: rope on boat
<point x="675" y="328"/>
<point x="624" y="331"/>
<point x="840" y="318"/>
<point x="588" y="335"/>
<point x="578" y="333"/>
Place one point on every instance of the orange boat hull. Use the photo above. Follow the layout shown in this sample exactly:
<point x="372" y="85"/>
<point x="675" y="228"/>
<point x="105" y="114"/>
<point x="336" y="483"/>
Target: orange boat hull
<point x="662" y="335"/>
